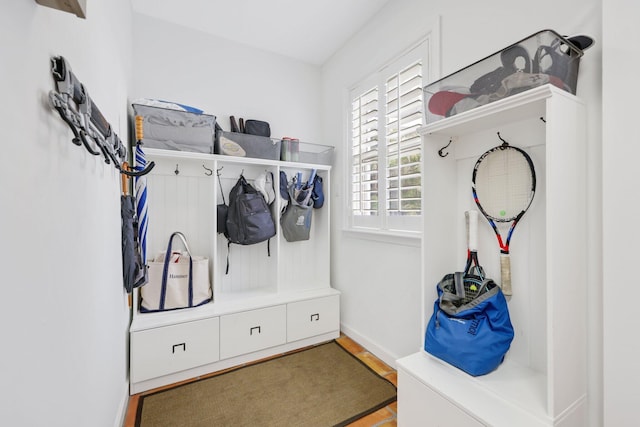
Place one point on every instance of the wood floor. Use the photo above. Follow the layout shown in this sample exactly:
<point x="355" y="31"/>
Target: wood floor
<point x="385" y="417"/>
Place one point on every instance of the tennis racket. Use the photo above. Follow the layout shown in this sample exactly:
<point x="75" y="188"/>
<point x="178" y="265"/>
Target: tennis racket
<point x="470" y="284"/>
<point x="471" y="220"/>
<point x="503" y="185"/>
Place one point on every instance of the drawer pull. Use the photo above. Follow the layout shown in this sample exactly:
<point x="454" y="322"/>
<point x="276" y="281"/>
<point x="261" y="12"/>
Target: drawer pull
<point x="315" y="317"/>
<point x="183" y="345"/>
<point x="252" y="329"/>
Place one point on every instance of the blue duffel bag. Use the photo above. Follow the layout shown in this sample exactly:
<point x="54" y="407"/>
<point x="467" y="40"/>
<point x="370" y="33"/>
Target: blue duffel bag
<point x="470" y="327"/>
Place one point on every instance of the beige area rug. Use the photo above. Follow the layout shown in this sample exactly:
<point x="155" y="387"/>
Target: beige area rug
<point x="320" y="386"/>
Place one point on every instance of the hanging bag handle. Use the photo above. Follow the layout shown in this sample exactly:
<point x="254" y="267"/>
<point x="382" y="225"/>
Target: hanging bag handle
<point x="165" y="270"/>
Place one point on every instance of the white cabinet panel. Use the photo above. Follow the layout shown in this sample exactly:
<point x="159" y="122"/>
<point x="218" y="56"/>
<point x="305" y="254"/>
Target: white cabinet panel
<point x="249" y="331"/>
<point x="413" y="399"/>
<point x="160" y="351"/>
<point x="312" y="317"/>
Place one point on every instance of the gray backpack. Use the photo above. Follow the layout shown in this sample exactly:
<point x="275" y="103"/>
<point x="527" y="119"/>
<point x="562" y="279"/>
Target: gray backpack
<point x="249" y="219"/>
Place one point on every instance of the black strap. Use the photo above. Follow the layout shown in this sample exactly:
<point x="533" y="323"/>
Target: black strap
<point x="220" y="184"/>
<point x="228" y="249"/>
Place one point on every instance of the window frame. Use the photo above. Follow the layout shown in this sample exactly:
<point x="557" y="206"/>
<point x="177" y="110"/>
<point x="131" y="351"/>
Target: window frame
<point x="385" y="225"/>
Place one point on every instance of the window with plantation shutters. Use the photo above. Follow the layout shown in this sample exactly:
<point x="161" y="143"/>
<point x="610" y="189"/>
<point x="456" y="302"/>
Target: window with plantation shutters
<point x="365" y="154"/>
<point x="385" y="158"/>
<point x="403" y="118"/>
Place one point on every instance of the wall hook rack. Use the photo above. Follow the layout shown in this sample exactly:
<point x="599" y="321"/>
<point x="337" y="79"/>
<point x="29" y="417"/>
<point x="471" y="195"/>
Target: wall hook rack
<point x="72" y="102"/>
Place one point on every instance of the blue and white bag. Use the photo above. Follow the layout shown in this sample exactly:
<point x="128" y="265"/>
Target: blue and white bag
<point x="176" y="280"/>
<point x="470" y="327"/>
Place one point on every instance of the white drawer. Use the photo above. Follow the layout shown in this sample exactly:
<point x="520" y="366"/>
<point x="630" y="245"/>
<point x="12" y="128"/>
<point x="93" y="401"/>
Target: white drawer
<point x="161" y="351"/>
<point x="313" y="317"/>
<point x="249" y="331"/>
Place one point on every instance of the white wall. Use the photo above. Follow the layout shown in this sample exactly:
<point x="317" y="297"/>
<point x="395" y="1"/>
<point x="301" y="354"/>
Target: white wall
<point x="65" y="318"/>
<point x="225" y="78"/>
<point x="620" y="153"/>
<point x="64" y="315"/>
<point x="379" y="281"/>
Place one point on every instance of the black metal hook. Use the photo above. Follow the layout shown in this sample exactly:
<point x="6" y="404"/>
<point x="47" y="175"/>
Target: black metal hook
<point x="442" y="149"/>
<point x="83" y="137"/>
<point x="502" y="139"/>
<point x="137" y="173"/>
<point x="177" y="171"/>
<point x="208" y="171"/>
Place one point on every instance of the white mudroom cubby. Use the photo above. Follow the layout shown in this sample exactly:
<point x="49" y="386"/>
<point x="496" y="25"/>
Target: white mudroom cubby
<point x="542" y="381"/>
<point x="276" y="296"/>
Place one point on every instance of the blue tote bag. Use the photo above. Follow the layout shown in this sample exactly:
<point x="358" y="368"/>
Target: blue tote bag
<point x="470" y="327"/>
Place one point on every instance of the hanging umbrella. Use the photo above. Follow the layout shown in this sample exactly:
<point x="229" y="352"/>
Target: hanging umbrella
<point x="134" y="272"/>
<point x="141" y="191"/>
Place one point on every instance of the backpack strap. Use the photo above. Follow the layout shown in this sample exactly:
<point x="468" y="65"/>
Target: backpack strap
<point x="274" y="192"/>
<point x="228" y="249"/>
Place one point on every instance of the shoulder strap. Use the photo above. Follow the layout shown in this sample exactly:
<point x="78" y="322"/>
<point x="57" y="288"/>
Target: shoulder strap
<point x="458" y="279"/>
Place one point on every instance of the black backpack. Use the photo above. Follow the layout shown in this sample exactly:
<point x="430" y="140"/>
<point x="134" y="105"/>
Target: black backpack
<point x="249" y="219"/>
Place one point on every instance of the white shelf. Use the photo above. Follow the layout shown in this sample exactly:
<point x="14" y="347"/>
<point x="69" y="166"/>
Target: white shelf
<point x="528" y="104"/>
<point x="187" y="155"/>
<point x="230" y="303"/>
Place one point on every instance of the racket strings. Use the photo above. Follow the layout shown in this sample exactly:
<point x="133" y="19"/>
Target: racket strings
<point x="504" y="184"/>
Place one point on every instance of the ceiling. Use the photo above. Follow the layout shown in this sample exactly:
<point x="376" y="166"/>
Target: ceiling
<point x="307" y="30"/>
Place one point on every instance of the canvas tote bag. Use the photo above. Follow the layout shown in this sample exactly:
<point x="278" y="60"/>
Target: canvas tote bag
<point x="295" y="220"/>
<point x="176" y="280"/>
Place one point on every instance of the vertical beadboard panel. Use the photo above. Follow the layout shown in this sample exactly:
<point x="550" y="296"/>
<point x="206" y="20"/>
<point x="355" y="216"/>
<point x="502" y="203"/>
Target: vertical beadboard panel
<point x="182" y="203"/>
<point x="305" y="264"/>
<point x="187" y="201"/>
<point x="251" y="269"/>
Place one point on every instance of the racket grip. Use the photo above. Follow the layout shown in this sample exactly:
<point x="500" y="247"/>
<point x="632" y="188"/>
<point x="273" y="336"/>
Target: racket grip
<point x="505" y="274"/>
<point x="472" y="229"/>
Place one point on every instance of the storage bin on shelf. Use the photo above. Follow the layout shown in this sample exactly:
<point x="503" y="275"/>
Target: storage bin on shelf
<point x="246" y="145"/>
<point x="305" y="152"/>
<point x="542" y="58"/>
<point x="172" y="129"/>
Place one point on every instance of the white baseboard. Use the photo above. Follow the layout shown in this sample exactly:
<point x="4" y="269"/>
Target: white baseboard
<point x="122" y="408"/>
<point x="371" y="346"/>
